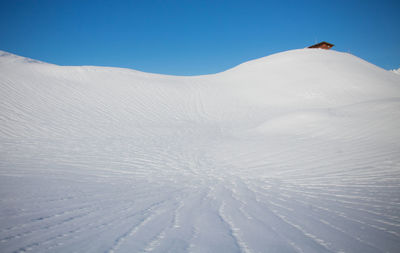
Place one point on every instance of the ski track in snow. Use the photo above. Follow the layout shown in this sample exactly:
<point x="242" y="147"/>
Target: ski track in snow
<point x="249" y="160"/>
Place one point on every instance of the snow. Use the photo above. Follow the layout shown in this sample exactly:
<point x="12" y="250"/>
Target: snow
<point x="294" y="152"/>
<point x="396" y="71"/>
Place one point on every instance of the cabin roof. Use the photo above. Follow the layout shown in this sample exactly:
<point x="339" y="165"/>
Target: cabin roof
<point x="321" y="44"/>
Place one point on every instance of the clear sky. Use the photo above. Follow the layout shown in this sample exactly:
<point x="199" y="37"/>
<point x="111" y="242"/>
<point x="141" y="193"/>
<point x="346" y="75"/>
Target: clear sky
<point x="195" y="37"/>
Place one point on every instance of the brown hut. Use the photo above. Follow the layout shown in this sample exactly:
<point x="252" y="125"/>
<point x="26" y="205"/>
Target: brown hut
<point x="322" y="45"/>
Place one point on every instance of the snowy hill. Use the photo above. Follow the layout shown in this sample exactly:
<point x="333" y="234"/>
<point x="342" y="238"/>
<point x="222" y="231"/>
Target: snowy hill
<point x="294" y="152"/>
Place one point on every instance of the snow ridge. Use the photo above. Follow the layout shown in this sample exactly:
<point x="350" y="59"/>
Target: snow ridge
<point x="294" y="152"/>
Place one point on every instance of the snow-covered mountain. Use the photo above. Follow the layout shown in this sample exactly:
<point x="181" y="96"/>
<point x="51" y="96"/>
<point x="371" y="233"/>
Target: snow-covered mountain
<point x="294" y="152"/>
<point x="396" y="71"/>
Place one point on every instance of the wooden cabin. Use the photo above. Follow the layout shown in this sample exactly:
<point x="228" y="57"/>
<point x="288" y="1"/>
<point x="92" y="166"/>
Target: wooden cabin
<point x="322" y="45"/>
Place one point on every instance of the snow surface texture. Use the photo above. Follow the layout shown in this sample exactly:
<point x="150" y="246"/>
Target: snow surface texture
<point x="295" y="152"/>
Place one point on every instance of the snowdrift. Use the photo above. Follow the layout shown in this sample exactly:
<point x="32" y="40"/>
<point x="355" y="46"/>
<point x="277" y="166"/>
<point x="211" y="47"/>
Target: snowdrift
<point x="294" y="152"/>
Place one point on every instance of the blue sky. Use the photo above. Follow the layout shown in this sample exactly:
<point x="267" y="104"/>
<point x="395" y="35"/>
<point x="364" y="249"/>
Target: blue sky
<point x="194" y="37"/>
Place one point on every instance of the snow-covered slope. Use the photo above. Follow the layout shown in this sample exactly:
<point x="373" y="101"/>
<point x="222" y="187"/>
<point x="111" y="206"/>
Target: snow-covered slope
<point x="294" y="152"/>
